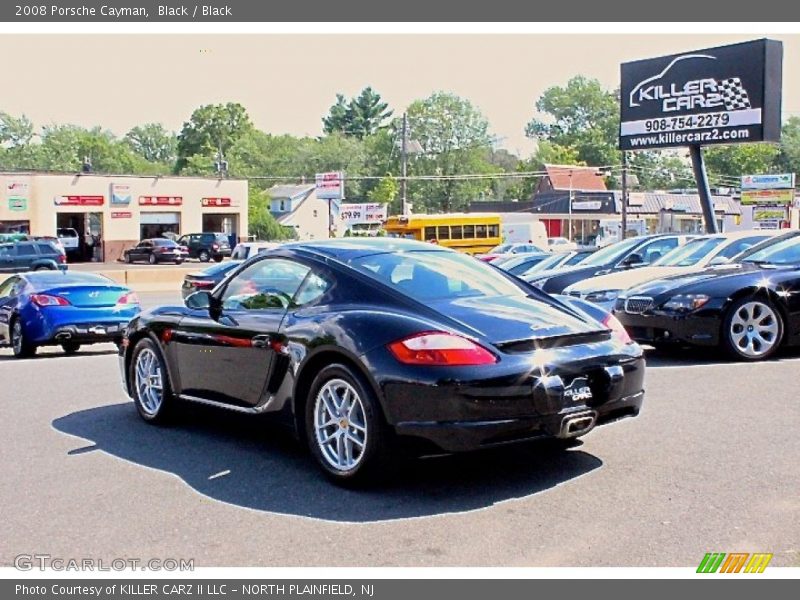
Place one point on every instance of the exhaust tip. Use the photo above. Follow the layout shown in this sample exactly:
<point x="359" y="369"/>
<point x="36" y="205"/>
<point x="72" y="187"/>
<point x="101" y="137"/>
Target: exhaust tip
<point x="577" y="424"/>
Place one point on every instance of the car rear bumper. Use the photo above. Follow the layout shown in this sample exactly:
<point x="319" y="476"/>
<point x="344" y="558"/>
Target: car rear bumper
<point x="517" y="403"/>
<point x="55" y="325"/>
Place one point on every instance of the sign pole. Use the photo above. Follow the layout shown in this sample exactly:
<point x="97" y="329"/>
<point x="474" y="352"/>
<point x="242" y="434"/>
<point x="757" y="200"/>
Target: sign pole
<point x="624" y="228"/>
<point x="700" y="175"/>
<point x="330" y="217"/>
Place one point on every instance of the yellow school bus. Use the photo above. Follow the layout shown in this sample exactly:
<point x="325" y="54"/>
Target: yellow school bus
<point x="473" y="234"/>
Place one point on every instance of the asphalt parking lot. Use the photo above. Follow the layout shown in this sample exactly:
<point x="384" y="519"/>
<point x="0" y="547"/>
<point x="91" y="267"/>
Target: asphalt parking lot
<point x="711" y="465"/>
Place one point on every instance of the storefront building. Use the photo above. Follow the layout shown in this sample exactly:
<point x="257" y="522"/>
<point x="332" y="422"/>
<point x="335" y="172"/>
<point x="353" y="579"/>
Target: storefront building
<point x="109" y="213"/>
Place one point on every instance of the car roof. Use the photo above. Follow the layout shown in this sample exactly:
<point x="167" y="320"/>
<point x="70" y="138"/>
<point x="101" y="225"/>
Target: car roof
<point x="346" y="249"/>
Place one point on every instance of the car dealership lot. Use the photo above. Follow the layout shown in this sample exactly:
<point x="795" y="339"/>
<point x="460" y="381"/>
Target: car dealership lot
<point x="710" y="465"/>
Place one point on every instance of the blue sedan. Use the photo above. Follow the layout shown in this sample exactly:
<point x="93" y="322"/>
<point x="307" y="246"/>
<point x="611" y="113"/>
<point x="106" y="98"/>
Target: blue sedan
<point x="62" y="308"/>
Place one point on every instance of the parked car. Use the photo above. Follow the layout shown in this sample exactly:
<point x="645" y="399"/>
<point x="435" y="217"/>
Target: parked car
<point x="693" y="256"/>
<point x="31" y="256"/>
<point x="154" y="251"/>
<point x="69" y="238"/>
<point x="364" y="339"/>
<point x="557" y="260"/>
<point x="508" y="250"/>
<point x="748" y="307"/>
<point x="60" y="308"/>
<point x="245" y="250"/>
<point x="49" y="238"/>
<point x="627" y="254"/>
<point x="208" y="278"/>
<point x="560" y="244"/>
<point x="205" y="246"/>
<point x="519" y="263"/>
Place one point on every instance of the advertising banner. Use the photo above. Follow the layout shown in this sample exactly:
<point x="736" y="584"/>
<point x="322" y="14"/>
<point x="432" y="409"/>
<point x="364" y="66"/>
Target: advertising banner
<point x="769" y="213"/>
<point x="18" y="188"/>
<point x="767" y="196"/>
<point x="79" y="200"/>
<point x="725" y="95"/>
<point x="330" y="186"/>
<point x="17" y="204"/>
<point x="160" y="200"/>
<point x="781" y="181"/>
<point x="362" y="214"/>
<point x="220" y="202"/>
<point x="121" y="214"/>
<point x="120" y="194"/>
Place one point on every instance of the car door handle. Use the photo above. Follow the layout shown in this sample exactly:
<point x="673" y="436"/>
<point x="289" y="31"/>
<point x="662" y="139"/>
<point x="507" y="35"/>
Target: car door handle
<point x="261" y="341"/>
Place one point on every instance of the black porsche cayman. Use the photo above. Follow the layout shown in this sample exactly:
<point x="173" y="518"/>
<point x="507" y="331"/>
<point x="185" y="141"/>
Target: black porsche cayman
<point x="358" y="342"/>
<point x="748" y="308"/>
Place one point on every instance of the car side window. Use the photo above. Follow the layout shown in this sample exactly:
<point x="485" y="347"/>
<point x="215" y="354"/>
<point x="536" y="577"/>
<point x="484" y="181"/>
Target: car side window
<point x="656" y="249"/>
<point x="312" y="289"/>
<point x="26" y="250"/>
<point x="266" y="284"/>
<point x="740" y="246"/>
<point x="5" y="251"/>
<point x="45" y="249"/>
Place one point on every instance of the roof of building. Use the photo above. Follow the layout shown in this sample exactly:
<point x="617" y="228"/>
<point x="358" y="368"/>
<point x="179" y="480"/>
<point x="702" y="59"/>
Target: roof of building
<point x="650" y="203"/>
<point x="290" y="191"/>
<point x="564" y="177"/>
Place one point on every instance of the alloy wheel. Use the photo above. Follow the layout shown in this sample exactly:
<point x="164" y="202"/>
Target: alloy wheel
<point x="16" y="337"/>
<point x="149" y="383"/>
<point x="340" y="425"/>
<point x="754" y="329"/>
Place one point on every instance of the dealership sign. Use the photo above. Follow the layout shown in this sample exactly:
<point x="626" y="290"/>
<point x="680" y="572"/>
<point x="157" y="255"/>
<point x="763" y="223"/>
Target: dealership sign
<point x="79" y="200"/>
<point x="17" y="204"/>
<point x="768" y="196"/>
<point x="160" y="200"/>
<point x="121" y="214"/>
<point x="769" y="213"/>
<point x="782" y="181"/>
<point x="330" y="186"/>
<point x="724" y="95"/>
<point x="17" y="188"/>
<point x="120" y="194"/>
<point x="587" y="205"/>
<point x="219" y="202"/>
<point x="363" y="214"/>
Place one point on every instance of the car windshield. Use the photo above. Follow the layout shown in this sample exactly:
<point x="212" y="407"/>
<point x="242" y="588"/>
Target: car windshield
<point x="786" y="252"/>
<point x="690" y="253"/>
<point x="501" y="249"/>
<point x="425" y="275"/>
<point x="548" y="263"/>
<point x="612" y="253"/>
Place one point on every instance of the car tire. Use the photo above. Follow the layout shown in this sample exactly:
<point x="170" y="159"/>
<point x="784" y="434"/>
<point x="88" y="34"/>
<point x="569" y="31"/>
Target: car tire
<point x="752" y="329"/>
<point x="152" y="259"/>
<point x="21" y="347"/>
<point x="128" y="259"/>
<point x="203" y="256"/>
<point x="43" y="268"/>
<point x="179" y="262"/>
<point x="218" y="259"/>
<point x="149" y="382"/>
<point x="344" y="427"/>
<point x="70" y="347"/>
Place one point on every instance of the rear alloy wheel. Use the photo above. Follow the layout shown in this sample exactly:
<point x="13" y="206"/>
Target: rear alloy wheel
<point x="152" y="259"/>
<point x="204" y="256"/>
<point x="150" y="386"/>
<point x="128" y="259"/>
<point x="70" y="347"/>
<point x="753" y="329"/>
<point x="344" y="427"/>
<point x="19" y="344"/>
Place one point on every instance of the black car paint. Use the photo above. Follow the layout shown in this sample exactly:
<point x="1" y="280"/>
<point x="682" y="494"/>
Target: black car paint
<point x="559" y="279"/>
<point x="724" y="284"/>
<point x="457" y="408"/>
<point x="213" y="274"/>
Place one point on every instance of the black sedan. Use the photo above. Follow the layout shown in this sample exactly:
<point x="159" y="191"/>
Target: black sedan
<point x="208" y="278"/>
<point x="627" y="254"/>
<point x="363" y="341"/>
<point x="155" y="251"/>
<point x="748" y="308"/>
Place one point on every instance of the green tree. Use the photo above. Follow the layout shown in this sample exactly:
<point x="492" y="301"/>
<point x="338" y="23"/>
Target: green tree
<point x="385" y="192"/>
<point x="582" y="116"/>
<point x="455" y="139"/>
<point x="789" y="159"/>
<point x="362" y="116"/>
<point x="153" y="142"/>
<point x="742" y="159"/>
<point x="212" y="128"/>
<point x="15" y="131"/>
<point x="261" y="223"/>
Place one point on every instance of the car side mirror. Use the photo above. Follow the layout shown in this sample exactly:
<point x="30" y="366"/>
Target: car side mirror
<point x="633" y="260"/>
<point x="201" y="300"/>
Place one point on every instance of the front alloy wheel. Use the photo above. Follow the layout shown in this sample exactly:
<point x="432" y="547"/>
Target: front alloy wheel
<point x="753" y="329"/>
<point x="344" y="427"/>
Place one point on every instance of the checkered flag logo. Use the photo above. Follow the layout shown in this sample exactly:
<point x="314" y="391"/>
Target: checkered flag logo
<point x="733" y="94"/>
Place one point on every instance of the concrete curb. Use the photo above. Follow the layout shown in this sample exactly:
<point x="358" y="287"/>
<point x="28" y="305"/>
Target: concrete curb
<point x="158" y="279"/>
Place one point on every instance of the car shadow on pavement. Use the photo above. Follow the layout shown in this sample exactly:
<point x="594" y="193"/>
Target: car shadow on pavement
<point x="50" y="353"/>
<point x="687" y="356"/>
<point x="254" y="463"/>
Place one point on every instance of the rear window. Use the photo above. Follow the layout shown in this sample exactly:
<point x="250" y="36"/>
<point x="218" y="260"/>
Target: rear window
<point x="44" y="279"/>
<point x="222" y="267"/>
<point x="221" y="237"/>
<point x="67" y="233"/>
<point x="164" y="242"/>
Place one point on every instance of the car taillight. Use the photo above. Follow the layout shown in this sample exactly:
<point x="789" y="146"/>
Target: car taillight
<point x="48" y="300"/>
<point x="215" y="246"/>
<point x="62" y="259"/>
<point x="437" y="348"/>
<point x="617" y="329"/>
<point x="202" y="283"/>
<point x="129" y="298"/>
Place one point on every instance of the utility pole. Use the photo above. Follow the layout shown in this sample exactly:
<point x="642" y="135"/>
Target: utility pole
<point x="624" y="195"/>
<point x="404" y="167"/>
<point x="569" y="228"/>
<point x="700" y="175"/>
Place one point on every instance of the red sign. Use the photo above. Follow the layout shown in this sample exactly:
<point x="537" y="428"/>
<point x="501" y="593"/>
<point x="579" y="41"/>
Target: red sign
<point x="160" y="200"/>
<point x="79" y="200"/>
<point x="216" y="202"/>
<point x="121" y="214"/>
